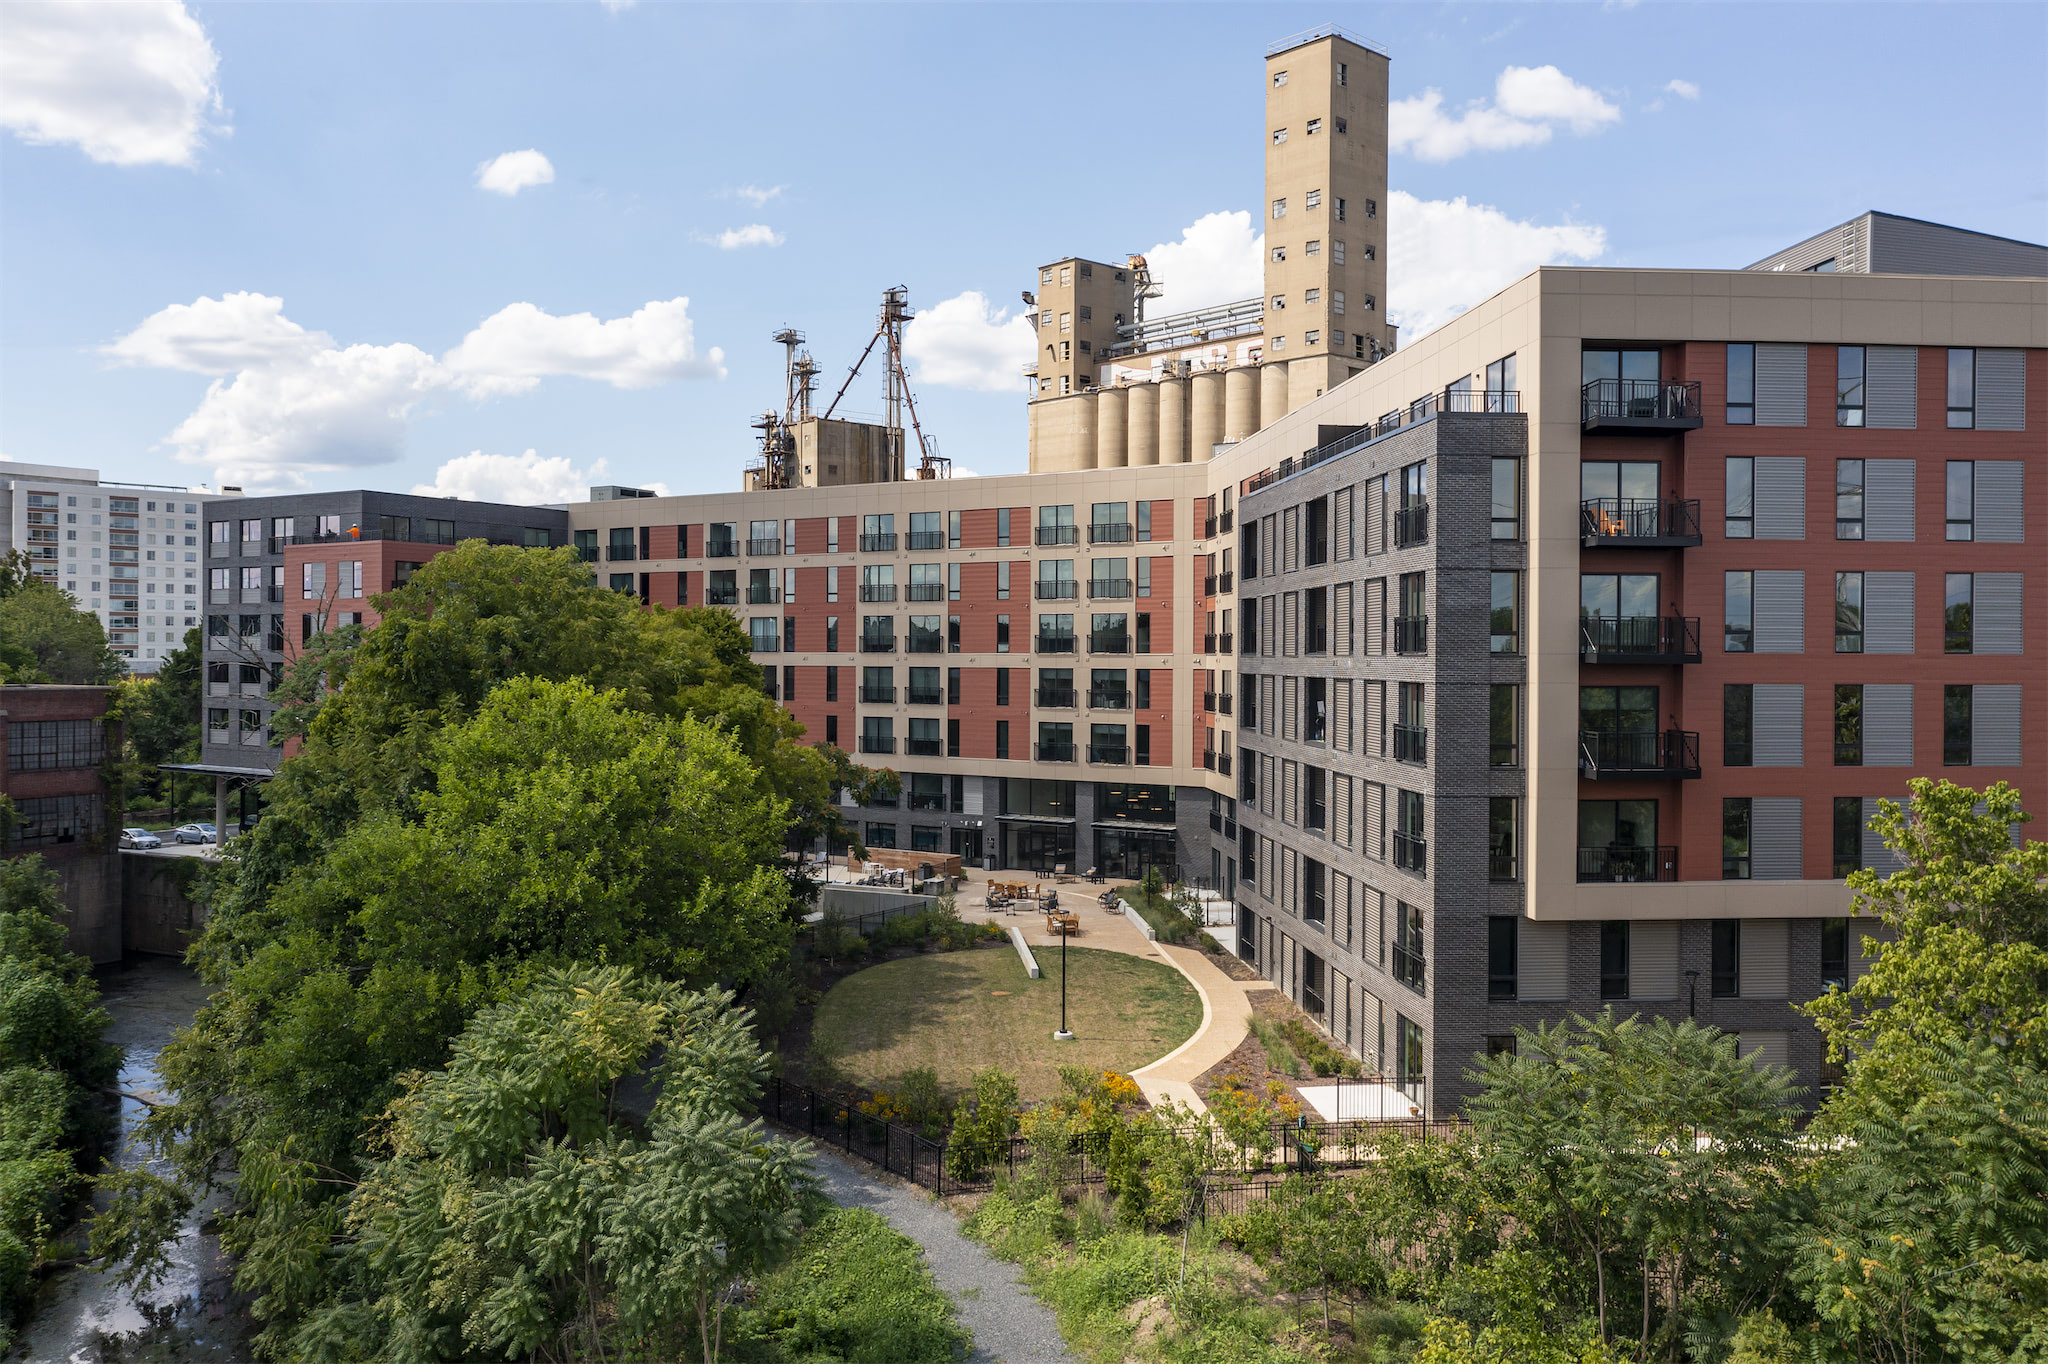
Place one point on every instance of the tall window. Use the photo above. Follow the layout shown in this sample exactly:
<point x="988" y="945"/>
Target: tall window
<point x="1738" y="710"/>
<point x="1504" y="623"/>
<point x="1741" y="384"/>
<point x="1503" y="839"/>
<point x="1849" y="498"/>
<point x="1738" y="633"/>
<point x="1848" y="613"/>
<point x="1614" y="959"/>
<point x="1962" y="499"/>
<point x="1741" y="491"/>
<point x="1002" y="527"/>
<point x="1503" y="967"/>
<point x="1735" y="838"/>
<point x="1409" y="963"/>
<point x="1848" y="835"/>
<point x="1502" y="724"/>
<point x="1507" y="499"/>
<point x="1962" y="390"/>
<point x="1957" y="632"/>
<point x="1848" y="385"/>
<point x="1849" y="725"/>
<point x="1501" y="392"/>
<point x="1958" y="726"/>
<point x="1727" y="958"/>
<point x="1834" y="939"/>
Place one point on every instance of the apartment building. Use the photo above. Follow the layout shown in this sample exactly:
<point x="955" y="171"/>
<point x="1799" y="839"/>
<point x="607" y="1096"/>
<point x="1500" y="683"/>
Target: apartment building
<point x="279" y="570"/>
<point x="127" y="552"/>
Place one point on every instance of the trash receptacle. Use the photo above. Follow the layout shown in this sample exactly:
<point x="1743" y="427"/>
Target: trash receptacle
<point x="988" y="863"/>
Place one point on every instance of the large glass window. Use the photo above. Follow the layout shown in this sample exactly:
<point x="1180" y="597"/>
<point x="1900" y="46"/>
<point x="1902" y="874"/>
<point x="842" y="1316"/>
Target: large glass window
<point x="1608" y="480"/>
<point x="1735" y="838"/>
<point x="1834" y="943"/>
<point x="1848" y="837"/>
<point x="1502" y="725"/>
<point x="1614" y="959"/>
<point x="1620" y="724"/>
<point x="1501" y="390"/>
<point x="1848" y="385"/>
<point x="1849" y="725"/>
<point x="1848" y="499"/>
<point x="1617" y="595"/>
<point x="1503" y="839"/>
<point x="1410" y="964"/>
<point x="1957" y="625"/>
<point x="1507" y="499"/>
<point x="1618" y="840"/>
<point x="1962" y="499"/>
<point x="1848" y="613"/>
<point x="1727" y="958"/>
<point x="1741" y="384"/>
<point x="1738" y="632"/>
<point x="1958" y="725"/>
<point x="1741" y="498"/>
<point x="1038" y="798"/>
<point x="1503" y="967"/>
<point x="1962" y="390"/>
<point x="1738" y="712"/>
<point x="1504" y="620"/>
<point x="1125" y="801"/>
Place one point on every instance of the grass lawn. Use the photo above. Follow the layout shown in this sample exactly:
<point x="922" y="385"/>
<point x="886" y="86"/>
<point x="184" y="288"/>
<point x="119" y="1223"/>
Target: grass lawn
<point x="959" y="1012"/>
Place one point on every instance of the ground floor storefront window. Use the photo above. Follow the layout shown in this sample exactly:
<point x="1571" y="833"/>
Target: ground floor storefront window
<point x="1040" y="848"/>
<point x="1124" y="853"/>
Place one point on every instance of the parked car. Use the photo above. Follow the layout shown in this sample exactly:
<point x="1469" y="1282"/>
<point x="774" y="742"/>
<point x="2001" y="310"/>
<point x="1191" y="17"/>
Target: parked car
<point x="195" y="833"/>
<point x="140" y="838"/>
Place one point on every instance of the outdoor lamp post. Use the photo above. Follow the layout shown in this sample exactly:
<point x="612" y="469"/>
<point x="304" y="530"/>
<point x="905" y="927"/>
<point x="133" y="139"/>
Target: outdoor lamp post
<point x="1692" y="994"/>
<point x="1063" y="1035"/>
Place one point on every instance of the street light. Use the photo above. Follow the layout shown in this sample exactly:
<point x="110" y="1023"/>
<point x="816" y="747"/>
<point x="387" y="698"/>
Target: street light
<point x="1063" y="1035"/>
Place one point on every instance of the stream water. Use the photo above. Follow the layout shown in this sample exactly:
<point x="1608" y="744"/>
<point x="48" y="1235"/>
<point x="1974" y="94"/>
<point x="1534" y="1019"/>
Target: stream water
<point x="80" y="1317"/>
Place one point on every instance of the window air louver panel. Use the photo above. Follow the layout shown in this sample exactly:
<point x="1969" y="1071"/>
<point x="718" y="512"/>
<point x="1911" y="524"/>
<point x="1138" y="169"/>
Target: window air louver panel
<point x="2001" y="484"/>
<point x="1375" y="745"/>
<point x="2001" y="390"/>
<point x="1269" y="622"/>
<point x="1266" y="785"/>
<point x="1376" y="617"/>
<point x="1891" y="388"/>
<point x="1777" y="726"/>
<point x="1774" y="841"/>
<point x="1995" y="613"/>
<point x="1376" y="517"/>
<point x="1653" y="959"/>
<point x="1780" y="496"/>
<point x="1765" y="1047"/>
<point x="1540" y="960"/>
<point x="1340" y="715"/>
<point x="1766" y="959"/>
<point x="1780" y="610"/>
<point x="1340" y="811"/>
<point x="1375" y="821"/>
<point x="1888" y="499"/>
<point x="1887" y="613"/>
<point x="1995" y="726"/>
<point x="1290" y="539"/>
<point x="1266" y="707"/>
<point x="1780" y="387"/>
<point x="1341" y="644"/>
<point x="1290" y="792"/>
<point x="1290" y="623"/>
<point x="1290" y="708"/>
<point x="1876" y="856"/>
<point x="1888" y="724"/>
<point x="1341" y="513"/>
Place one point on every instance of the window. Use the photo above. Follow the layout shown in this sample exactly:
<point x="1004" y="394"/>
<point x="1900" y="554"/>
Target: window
<point x="1278" y="302"/>
<point x="1848" y="613"/>
<point x="1315" y="125"/>
<point x="1311" y="337"/>
<point x="1279" y="79"/>
<point x="1501" y="394"/>
<point x="1343" y="73"/>
<point x="1848" y="839"/>
<point x="1002" y="527"/>
<point x="1314" y="902"/>
<point x="1279" y="343"/>
<point x="1741" y="490"/>
<point x="952" y="530"/>
<point x="1002" y="738"/>
<point x="1315" y="248"/>
<point x="1962" y="390"/>
<point x="1337" y="310"/>
<point x="1339" y="215"/>
<point x="1502" y="725"/>
<point x="1505" y="624"/>
<point x="1507" y="499"/>
<point x="1849" y="725"/>
<point x="1849" y="498"/>
<point x="1410" y="846"/>
<point x="1738" y="717"/>
<point x="1066" y="322"/>
<point x="1342" y="125"/>
<point x="1834" y="948"/>
<point x="1279" y="254"/>
<point x="1741" y="384"/>
<point x="1280" y="135"/>
<point x="1735" y="838"/>
<point x="312" y="581"/>
<point x="1315" y="708"/>
<point x="1956" y="614"/>
<point x="1313" y="199"/>
<point x="1503" y="939"/>
<point x="1002" y="634"/>
<point x="1503" y="839"/>
<point x="1848" y="385"/>
<point x="1738" y="627"/>
<point x="1962" y="499"/>
<point x="1410" y="966"/>
<point x="1957" y="725"/>
<point x="1614" y="959"/>
<point x="1279" y="208"/>
<point x="831" y="634"/>
<point x="762" y="629"/>
<point x="1727" y="958"/>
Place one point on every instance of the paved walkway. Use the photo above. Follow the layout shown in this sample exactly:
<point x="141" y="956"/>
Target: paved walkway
<point x="1226" y="1003"/>
<point x="1009" y="1325"/>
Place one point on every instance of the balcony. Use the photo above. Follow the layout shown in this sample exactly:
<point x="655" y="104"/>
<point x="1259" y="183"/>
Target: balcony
<point x="1209" y="762"/>
<point x="1110" y="533"/>
<point x="1639" y="639"/>
<point x="1057" y="698"/>
<point x="1634" y="406"/>
<point x="1055" y="535"/>
<point x="721" y="596"/>
<point x="1673" y="755"/>
<point x="1224" y="703"/>
<point x="870" y="743"/>
<point x="770" y="545"/>
<point x="718" y="547"/>
<point x="877" y="696"/>
<point x="878" y="544"/>
<point x="1109" y="589"/>
<point x="1055" y="753"/>
<point x="1054" y="644"/>
<point x="1411" y="525"/>
<point x="878" y="592"/>
<point x="878" y="644"/>
<point x="1105" y="642"/>
<point x="926" y="539"/>
<point x="1222" y="764"/>
<point x="1411" y="744"/>
<point x="1411" y="634"/>
<point x="1411" y="853"/>
<point x="1209" y="702"/>
<point x="1639" y="523"/>
<point x="1114" y="755"/>
<point x="1627" y="862"/>
<point x="759" y="595"/>
<point x="925" y="592"/>
<point x="1056" y="589"/>
<point x="924" y="696"/>
<point x="923" y="748"/>
<point x="1109" y="698"/>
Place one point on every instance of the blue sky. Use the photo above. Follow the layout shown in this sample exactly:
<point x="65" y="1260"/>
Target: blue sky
<point x="951" y="148"/>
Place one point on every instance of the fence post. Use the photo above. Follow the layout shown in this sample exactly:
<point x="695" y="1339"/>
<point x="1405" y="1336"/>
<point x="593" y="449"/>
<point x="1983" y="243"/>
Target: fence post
<point x="849" y="1129"/>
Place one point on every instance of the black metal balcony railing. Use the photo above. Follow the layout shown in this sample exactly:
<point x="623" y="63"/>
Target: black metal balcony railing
<point x="1672" y="755"/>
<point x="1113" y="754"/>
<point x="924" y="696"/>
<point x="1411" y="852"/>
<point x="721" y="596"/>
<point x="1411" y="744"/>
<point x="927" y="539"/>
<point x="925" y="592"/>
<point x="1104" y="642"/>
<point x="1639" y="639"/>
<point x="1054" y="644"/>
<point x="1411" y="525"/>
<point x="720" y="549"/>
<point x="1317" y="639"/>
<point x="1611" y="405"/>
<point x="1227" y="642"/>
<point x="586" y="554"/>
<point x="878" y="644"/>
<point x="1645" y="522"/>
<point x="1059" y="698"/>
<point x="1209" y="644"/>
<point x="878" y="592"/>
<point x="923" y="748"/>
<point x="871" y="744"/>
<point x="1055" y="753"/>
<point x="1209" y="762"/>
<point x="1209" y="701"/>
<point x="1316" y="552"/>
<point x="767" y="545"/>
<point x="1110" y="533"/>
<point x="757" y="595"/>
<point x="1109" y="698"/>
<point x="877" y="696"/>
<point x="1225" y="583"/>
<point x="1222" y="764"/>
<point x="1215" y="816"/>
<point x="1627" y="862"/>
<point x="1055" y="535"/>
<point x="1109" y="589"/>
<point x="1055" y="589"/>
<point x="1411" y="634"/>
<point x="1208" y="527"/>
<point x="877" y="544"/>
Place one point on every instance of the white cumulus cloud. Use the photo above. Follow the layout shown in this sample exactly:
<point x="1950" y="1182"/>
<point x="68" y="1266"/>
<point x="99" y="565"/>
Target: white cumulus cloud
<point x="516" y="347"/>
<point x="1443" y="255"/>
<point x="1528" y="104"/>
<point x="753" y="234"/>
<point x="130" y="84"/>
<point x="527" y="478"/>
<point x="756" y="195"/>
<point x="514" y="171"/>
<point x="1218" y="259"/>
<point x="1683" y="89"/>
<point x="287" y="403"/>
<point x="967" y="342"/>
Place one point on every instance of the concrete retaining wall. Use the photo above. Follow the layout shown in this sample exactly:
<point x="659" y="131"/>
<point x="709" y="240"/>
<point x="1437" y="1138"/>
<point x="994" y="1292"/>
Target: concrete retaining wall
<point x="852" y="902"/>
<point x="158" y="913"/>
<point x="1024" y="952"/>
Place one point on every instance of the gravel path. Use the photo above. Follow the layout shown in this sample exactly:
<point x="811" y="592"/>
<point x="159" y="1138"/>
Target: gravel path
<point x="1010" y="1326"/>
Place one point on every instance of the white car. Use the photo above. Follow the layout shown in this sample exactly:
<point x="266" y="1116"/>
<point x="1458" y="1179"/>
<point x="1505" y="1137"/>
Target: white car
<point x="194" y="833"/>
<point x="140" y="838"/>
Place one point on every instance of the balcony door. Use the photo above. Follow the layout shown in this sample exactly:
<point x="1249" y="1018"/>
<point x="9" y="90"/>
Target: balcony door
<point x="1623" y="724"/>
<point x="1617" y="840"/>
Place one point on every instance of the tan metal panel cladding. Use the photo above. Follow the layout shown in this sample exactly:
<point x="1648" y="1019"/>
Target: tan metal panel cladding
<point x="1540" y="958"/>
<point x="2001" y="390"/>
<point x="1205" y="414"/>
<point x="1653" y="960"/>
<point x="1112" y="428"/>
<point x="1888" y="499"/>
<point x="1340" y="810"/>
<point x="1995" y="613"/>
<point x="1766" y="959"/>
<point x="1341" y="633"/>
<point x="1780" y="388"/>
<point x="1290" y="708"/>
<point x="2001" y="488"/>
<point x="1173" y="421"/>
<point x="1272" y="392"/>
<point x="1266" y="784"/>
<point x="1375" y="744"/>
<point x="1343" y="512"/>
<point x="1240" y="403"/>
<point x="1141" y="406"/>
<point x="1891" y="387"/>
<point x="1269" y="614"/>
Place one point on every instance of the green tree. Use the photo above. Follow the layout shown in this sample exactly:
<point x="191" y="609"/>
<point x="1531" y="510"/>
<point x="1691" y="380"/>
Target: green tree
<point x="162" y="721"/>
<point x="523" y="1211"/>
<point x="44" y="637"/>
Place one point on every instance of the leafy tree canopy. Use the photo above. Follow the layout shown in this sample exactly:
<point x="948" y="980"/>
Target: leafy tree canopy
<point x="44" y="637"/>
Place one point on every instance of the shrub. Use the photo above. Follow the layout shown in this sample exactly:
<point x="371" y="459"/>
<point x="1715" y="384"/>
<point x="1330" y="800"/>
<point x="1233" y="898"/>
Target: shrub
<point x="983" y="1126"/>
<point x="856" y="1290"/>
<point x="1322" y="1057"/>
